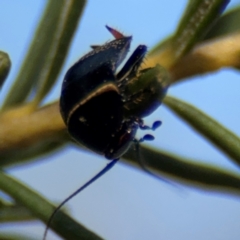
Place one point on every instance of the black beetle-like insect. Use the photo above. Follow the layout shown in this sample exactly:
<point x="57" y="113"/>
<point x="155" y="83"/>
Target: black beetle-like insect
<point x="103" y="109"/>
<point x="93" y="102"/>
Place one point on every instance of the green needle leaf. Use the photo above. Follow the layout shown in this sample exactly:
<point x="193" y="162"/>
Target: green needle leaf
<point x="62" y="224"/>
<point x="197" y="19"/>
<point x="15" y="213"/>
<point x="227" y="24"/>
<point x="11" y="236"/>
<point x="47" y="52"/>
<point x="5" y="65"/>
<point x="221" y="137"/>
<point x="190" y="172"/>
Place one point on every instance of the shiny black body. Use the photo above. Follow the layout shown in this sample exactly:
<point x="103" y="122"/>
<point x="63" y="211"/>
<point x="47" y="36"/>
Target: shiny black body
<point x="103" y="109"/>
<point x="92" y="98"/>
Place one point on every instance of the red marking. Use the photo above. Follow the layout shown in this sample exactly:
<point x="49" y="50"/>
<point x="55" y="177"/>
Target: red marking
<point x="114" y="32"/>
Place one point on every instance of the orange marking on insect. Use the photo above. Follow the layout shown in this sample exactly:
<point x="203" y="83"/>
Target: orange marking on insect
<point x="115" y="33"/>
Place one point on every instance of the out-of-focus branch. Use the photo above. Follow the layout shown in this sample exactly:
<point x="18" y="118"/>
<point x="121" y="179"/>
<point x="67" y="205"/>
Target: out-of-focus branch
<point x="22" y="129"/>
<point x="205" y="57"/>
<point x="209" y="56"/>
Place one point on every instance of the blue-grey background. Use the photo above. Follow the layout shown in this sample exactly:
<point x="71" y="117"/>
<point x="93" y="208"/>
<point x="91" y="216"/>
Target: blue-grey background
<point x="126" y="203"/>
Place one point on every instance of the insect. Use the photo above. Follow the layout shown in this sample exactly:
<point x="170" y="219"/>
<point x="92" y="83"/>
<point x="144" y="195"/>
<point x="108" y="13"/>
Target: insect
<point x="103" y="108"/>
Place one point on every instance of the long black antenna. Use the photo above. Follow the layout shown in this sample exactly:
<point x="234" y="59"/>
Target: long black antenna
<point x="98" y="175"/>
